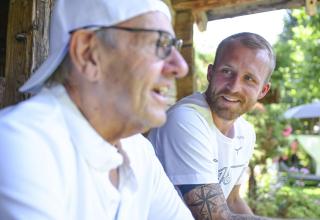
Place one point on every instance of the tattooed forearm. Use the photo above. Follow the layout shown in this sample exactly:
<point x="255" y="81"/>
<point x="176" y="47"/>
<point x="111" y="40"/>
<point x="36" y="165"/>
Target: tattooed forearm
<point x="204" y="201"/>
<point x="207" y="202"/>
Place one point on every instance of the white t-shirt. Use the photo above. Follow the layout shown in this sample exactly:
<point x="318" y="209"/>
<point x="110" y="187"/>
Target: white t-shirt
<point x="193" y="151"/>
<point x="53" y="165"/>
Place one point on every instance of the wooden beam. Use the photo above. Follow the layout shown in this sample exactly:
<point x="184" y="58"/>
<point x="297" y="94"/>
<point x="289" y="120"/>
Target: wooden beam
<point x="18" y="53"/>
<point x="201" y="20"/>
<point x="311" y="7"/>
<point x="196" y="4"/>
<point x="184" y="30"/>
<point x="27" y="44"/>
<point x="218" y="9"/>
<point x="251" y="8"/>
<point x="2" y="87"/>
<point x="212" y="4"/>
<point x="4" y="10"/>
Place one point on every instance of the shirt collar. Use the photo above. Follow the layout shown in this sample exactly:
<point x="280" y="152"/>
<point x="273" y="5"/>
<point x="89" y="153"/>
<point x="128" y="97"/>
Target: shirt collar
<point x="98" y="153"/>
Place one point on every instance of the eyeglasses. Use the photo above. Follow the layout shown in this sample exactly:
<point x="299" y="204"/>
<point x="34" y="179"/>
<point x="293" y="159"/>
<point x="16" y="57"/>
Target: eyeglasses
<point x="164" y="43"/>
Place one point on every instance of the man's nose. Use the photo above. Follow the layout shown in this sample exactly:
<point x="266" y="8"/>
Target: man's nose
<point x="234" y="84"/>
<point x="175" y="65"/>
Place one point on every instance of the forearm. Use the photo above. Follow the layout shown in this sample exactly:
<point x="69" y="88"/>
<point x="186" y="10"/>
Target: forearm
<point x="239" y="206"/>
<point x="208" y="202"/>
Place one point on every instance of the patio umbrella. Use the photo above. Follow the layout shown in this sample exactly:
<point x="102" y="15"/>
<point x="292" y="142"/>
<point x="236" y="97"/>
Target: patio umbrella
<point x="311" y="110"/>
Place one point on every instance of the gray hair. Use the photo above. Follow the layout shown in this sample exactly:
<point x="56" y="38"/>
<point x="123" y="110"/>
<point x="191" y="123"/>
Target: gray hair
<point x="61" y="74"/>
<point x="250" y="40"/>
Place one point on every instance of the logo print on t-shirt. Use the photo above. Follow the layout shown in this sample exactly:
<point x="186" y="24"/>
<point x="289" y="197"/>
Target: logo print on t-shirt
<point x="237" y="150"/>
<point x="224" y="175"/>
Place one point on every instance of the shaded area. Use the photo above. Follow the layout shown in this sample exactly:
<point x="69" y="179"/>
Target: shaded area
<point x="4" y="9"/>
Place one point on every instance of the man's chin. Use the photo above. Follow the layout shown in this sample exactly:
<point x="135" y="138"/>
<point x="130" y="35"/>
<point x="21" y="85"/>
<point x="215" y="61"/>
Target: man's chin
<point x="159" y="121"/>
<point x="227" y="114"/>
<point x="155" y="120"/>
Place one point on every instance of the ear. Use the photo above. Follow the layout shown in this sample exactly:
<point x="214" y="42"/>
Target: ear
<point x="210" y="72"/>
<point x="265" y="90"/>
<point x="83" y="53"/>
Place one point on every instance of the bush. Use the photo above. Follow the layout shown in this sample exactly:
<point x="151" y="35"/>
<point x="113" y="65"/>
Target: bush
<point x="286" y="201"/>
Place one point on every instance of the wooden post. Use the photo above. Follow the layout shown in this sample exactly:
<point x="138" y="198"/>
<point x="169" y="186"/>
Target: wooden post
<point x="184" y="30"/>
<point x="311" y="7"/>
<point x="27" y="44"/>
<point x="4" y="8"/>
<point x="4" y="11"/>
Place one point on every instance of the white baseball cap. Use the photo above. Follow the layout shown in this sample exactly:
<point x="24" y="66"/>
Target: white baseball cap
<point x="70" y="15"/>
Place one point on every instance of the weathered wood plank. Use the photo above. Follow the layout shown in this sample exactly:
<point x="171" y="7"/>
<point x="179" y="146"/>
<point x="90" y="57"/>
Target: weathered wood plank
<point x="19" y="47"/>
<point x="27" y="44"/>
<point x="184" y="30"/>
<point x="214" y="4"/>
<point x="4" y="9"/>
<point x="251" y="8"/>
<point x="2" y="87"/>
<point x="311" y="7"/>
<point x="40" y="22"/>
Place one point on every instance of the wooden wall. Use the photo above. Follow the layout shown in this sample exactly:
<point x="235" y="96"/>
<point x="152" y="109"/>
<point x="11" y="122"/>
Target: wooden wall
<point x="4" y="10"/>
<point x="184" y="30"/>
<point x="26" y="44"/>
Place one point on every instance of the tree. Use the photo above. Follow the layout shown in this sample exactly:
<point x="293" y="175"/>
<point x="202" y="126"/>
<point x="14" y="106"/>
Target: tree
<point x="298" y="59"/>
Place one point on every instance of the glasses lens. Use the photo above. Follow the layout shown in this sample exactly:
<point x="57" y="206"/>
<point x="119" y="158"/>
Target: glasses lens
<point x="178" y="44"/>
<point x="165" y="44"/>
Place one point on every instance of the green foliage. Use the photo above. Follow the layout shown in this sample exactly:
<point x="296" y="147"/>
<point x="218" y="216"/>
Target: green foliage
<point x="202" y="60"/>
<point x="298" y="59"/>
<point x="268" y="126"/>
<point x="278" y="199"/>
<point x="287" y="202"/>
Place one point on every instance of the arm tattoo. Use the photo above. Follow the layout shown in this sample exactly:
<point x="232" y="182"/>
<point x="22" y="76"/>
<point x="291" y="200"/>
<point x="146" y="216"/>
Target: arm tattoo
<point x="207" y="202"/>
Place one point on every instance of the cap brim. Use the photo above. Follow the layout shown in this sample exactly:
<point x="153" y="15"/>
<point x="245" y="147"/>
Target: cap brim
<point x="37" y="79"/>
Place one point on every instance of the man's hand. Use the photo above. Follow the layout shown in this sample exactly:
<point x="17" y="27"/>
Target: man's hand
<point x="207" y="202"/>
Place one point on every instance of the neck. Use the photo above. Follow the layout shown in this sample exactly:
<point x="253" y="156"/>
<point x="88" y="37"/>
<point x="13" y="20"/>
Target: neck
<point x="224" y="126"/>
<point x="108" y="125"/>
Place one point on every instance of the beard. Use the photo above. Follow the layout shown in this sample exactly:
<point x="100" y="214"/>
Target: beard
<point x="216" y="102"/>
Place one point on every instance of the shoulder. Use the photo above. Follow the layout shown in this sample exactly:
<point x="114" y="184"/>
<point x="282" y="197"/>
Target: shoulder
<point x="31" y="131"/>
<point x="32" y="124"/>
<point x="32" y="149"/>
<point x="33" y="112"/>
<point x="188" y="124"/>
<point x="191" y="111"/>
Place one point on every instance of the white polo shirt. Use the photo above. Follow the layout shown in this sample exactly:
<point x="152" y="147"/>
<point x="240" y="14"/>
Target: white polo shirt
<point x="53" y="165"/>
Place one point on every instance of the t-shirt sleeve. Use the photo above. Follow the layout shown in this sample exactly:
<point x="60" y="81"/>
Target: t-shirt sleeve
<point x="185" y="148"/>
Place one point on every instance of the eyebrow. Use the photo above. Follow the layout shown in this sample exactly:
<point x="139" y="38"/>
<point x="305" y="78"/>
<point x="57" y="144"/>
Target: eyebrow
<point x="227" y="65"/>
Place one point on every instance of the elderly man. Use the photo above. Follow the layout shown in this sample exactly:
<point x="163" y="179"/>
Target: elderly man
<point x="206" y="145"/>
<point x="72" y="150"/>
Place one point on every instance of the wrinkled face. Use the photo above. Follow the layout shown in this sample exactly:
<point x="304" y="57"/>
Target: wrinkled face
<point x="135" y="78"/>
<point x="237" y="81"/>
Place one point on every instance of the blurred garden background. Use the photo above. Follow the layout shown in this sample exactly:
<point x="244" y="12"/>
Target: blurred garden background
<point x="272" y="189"/>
